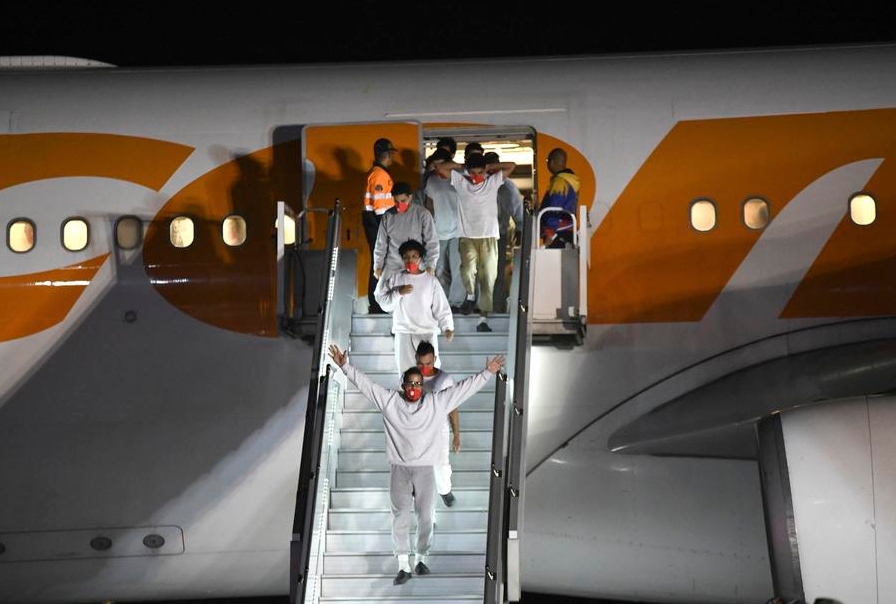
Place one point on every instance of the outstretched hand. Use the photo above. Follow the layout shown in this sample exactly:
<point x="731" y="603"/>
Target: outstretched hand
<point x="495" y="363"/>
<point x="338" y="356"/>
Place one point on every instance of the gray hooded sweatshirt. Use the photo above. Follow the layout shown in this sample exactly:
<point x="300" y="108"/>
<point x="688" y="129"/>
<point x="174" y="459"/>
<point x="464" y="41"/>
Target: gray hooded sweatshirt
<point x="414" y="430"/>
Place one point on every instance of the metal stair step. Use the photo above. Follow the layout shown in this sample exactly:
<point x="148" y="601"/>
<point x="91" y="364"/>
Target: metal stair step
<point x="359" y="461"/>
<point x="371" y="418"/>
<point x="374" y="438"/>
<point x="385" y="563"/>
<point x="465" y="342"/>
<point x="399" y="599"/>
<point x="382" y="324"/>
<point x="378" y="498"/>
<point x="380" y="479"/>
<point x="450" y="519"/>
<point x="436" y="585"/>
<point x="361" y="541"/>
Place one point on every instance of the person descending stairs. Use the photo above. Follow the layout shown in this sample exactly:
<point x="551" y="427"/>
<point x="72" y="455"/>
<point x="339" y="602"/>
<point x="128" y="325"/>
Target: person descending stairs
<point x="359" y="563"/>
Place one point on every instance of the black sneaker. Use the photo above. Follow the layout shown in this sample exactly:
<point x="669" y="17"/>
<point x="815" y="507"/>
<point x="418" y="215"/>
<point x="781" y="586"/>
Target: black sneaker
<point x="421" y="569"/>
<point x="402" y="577"/>
<point x="467" y="307"/>
<point x="483" y="327"/>
<point x="449" y="499"/>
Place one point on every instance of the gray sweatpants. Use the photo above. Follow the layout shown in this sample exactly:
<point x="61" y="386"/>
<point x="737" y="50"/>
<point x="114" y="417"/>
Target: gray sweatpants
<point x="412" y="490"/>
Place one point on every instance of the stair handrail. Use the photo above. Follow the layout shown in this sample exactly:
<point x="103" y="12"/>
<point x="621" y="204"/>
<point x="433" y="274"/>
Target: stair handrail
<point x="315" y="415"/>
<point x="508" y="462"/>
<point x="552" y="210"/>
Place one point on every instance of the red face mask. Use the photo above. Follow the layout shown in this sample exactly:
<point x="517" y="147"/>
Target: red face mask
<point x="411" y="266"/>
<point x="427" y="370"/>
<point x="402" y="206"/>
<point x="412" y="393"/>
<point x="477" y="179"/>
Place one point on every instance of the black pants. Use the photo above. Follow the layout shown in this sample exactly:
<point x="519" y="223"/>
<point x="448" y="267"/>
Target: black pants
<point x="371" y="223"/>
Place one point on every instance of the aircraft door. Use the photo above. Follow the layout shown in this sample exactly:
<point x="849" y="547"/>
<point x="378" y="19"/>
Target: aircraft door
<point x="337" y="159"/>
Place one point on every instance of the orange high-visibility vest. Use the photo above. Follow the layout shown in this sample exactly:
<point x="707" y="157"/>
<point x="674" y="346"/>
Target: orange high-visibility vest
<point x="378" y="196"/>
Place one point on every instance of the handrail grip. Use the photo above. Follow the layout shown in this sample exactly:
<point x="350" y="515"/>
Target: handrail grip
<point x="549" y="209"/>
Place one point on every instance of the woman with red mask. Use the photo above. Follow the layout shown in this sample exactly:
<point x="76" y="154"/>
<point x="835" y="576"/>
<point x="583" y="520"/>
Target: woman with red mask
<point x="413" y="421"/>
<point x="418" y="305"/>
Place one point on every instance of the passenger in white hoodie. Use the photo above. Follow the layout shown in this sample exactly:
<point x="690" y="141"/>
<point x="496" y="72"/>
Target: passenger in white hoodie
<point x="418" y="306"/>
<point x="413" y="421"/>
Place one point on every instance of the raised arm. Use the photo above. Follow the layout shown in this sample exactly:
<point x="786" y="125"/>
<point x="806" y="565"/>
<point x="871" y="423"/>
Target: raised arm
<point x="370" y="389"/>
<point x="445" y="167"/>
<point x="506" y="167"/>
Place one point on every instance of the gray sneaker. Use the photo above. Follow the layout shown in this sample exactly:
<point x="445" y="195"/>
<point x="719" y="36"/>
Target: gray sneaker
<point x="449" y="499"/>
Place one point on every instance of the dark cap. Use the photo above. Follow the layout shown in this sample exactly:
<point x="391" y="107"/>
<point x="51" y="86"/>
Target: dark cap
<point x="492" y="158"/>
<point x="473" y="147"/>
<point x="382" y="145"/>
<point x="401" y="188"/>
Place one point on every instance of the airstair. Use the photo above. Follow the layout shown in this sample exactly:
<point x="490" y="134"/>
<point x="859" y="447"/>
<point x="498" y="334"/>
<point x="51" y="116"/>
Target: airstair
<point x="341" y="547"/>
<point x="358" y="561"/>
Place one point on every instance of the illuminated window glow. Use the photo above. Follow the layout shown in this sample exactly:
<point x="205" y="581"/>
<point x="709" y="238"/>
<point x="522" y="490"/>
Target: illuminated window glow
<point x="20" y="235"/>
<point x="181" y="231"/>
<point x="756" y="213"/>
<point x="703" y="215"/>
<point x="234" y="231"/>
<point x="75" y="234"/>
<point x="862" y="209"/>
<point x="289" y="229"/>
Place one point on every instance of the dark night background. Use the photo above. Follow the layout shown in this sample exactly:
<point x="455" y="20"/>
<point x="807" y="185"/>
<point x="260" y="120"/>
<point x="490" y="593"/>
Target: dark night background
<point x="133" y="33"/>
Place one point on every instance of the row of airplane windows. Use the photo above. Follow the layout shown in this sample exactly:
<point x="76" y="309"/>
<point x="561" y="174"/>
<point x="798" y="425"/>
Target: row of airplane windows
<point x="756" y="214"/>
<point x="21" y="233"/>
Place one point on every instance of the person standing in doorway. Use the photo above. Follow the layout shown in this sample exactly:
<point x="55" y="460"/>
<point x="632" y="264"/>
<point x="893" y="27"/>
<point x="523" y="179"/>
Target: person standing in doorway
<point x="563" y="194"/>
<point x="510" y="205"/>
<point x="377" y="201"/>
<point x="441" y="200"/>
<point x="477" y="195"/>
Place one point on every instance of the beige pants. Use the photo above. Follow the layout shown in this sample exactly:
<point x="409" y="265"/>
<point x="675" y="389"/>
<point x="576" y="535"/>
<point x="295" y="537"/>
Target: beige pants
<point x="479" y="264"/>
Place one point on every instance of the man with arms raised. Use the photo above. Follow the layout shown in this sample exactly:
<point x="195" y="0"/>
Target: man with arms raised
<point x="413" y="421"/>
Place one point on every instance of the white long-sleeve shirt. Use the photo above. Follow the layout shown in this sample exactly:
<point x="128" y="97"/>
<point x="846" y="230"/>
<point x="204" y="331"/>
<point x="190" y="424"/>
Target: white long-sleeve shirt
<point x="423" y="311"/>
<point x="414" y="430"/>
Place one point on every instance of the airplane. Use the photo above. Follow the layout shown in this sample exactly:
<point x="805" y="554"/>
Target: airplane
<point x="718" y="434"/>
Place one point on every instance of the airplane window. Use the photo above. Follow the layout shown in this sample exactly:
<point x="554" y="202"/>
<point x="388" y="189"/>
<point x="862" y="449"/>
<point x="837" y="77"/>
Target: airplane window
<point x="756" y="213"/>
<point x="128" y="232"/>
<point x="289" y="229"/>
<point x="180" y="231"/>
<point x="20" y="235"/>
<point x="234" y="231"/>
<point x="703" y="215"/>
<point x="75" y="234"/>
<point x="862" y="209"/>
